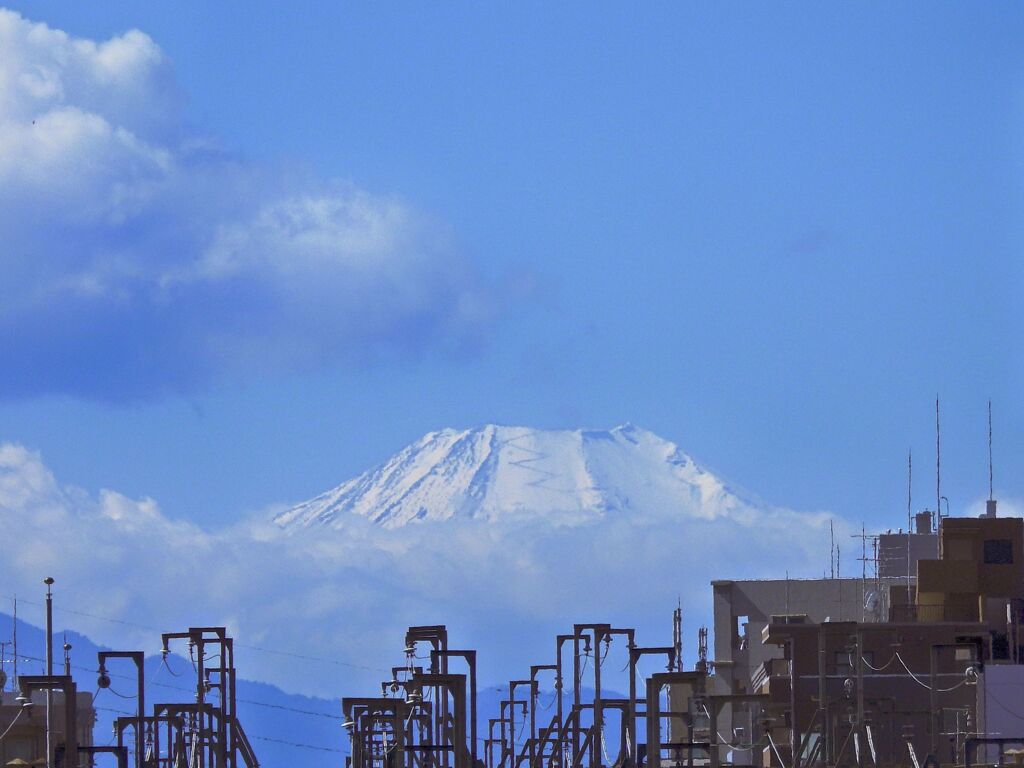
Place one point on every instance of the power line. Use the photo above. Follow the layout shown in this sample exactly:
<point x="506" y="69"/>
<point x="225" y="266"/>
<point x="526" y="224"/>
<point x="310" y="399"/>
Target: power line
<point x="304" y="657"/>
<point x="83" y="613"/>
<point x="290" y="709"/>
<point x="267" y="704"/>
<point x="115" y="711"/>
<point x="337" y="662"/>
<point x="300" y="744"/>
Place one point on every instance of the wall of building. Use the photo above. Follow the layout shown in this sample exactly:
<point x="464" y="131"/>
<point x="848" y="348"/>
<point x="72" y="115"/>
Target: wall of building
<point x="27" y="738"/>
<point x="894" y="548"/>
<point x="743" y="609"/>
<point x="1000" y="705"/>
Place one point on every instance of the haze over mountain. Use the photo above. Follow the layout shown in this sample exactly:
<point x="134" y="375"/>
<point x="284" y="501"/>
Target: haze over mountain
<point x="505" y="534"/>
<point x="285" y="728"/>
<point x="506" y="473"/>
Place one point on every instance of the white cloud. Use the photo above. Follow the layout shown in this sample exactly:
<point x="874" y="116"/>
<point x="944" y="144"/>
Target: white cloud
<point x="503" y="587"/>
<point x="138" y="258"/>
<point x="1005" y="507"/>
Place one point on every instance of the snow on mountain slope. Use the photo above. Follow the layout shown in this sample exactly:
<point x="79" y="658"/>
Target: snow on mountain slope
<point x="494" y="472"/>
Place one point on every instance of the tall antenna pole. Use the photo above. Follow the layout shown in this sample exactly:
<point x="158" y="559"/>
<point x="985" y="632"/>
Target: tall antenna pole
<point x="48" y="581"/>
<point x="938" y="465"/>
<point x="910" y="513"/>
<point x="990" y="495"/>
<point x="677" y="634"/>
<point x="840" y="584"/>
<point x="910" y="480"/>
<point x="863" y="569"/>
<point x="15" y="643"/>
<point x="832" y="549"/>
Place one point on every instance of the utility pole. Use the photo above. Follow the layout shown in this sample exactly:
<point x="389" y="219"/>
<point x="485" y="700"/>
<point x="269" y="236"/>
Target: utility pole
<point x="48" y="581"/>
<point x="14" y="687"/>
<point x="3" y="672"/>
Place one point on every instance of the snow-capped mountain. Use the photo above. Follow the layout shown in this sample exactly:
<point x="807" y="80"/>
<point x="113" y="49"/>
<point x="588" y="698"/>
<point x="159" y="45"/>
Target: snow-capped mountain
<point x="492" y="472"/>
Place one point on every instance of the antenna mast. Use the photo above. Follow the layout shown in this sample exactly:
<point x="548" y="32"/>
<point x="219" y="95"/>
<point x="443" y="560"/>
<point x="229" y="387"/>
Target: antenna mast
<point x="677" y="634"/>
<point x="938" y="466"/>
<point x="15" y="642"/>
<point x="832" y="549"/>
<point x="910" y="514"/>
<point x="990" y="495"/>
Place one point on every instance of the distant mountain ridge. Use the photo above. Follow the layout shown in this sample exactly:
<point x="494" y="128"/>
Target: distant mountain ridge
<point x="285" y="728"/>
<point x="568" y="477"/>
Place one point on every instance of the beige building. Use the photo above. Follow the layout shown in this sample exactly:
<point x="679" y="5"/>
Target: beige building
<point x="26" y="739"/>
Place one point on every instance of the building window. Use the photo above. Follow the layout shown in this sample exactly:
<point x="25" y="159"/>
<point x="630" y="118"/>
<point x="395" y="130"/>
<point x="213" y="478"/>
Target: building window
<point x="843" y="661"/>
<point x="998" y="552"/>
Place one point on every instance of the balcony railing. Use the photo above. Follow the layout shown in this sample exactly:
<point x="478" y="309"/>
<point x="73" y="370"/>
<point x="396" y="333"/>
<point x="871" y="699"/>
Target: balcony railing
<point x="933" y="613"/>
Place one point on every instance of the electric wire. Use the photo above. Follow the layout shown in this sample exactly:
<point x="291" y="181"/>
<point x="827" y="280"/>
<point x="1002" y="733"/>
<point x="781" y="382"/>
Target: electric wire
<point x="600" y="658"/>
<point x="163" y="663"/>
<point x="191" y="691"/>
<point x="726" y="742"/>
<point x="924" y="684"/>
<point x="775" y="750"/>
<point x="1003" y="707"/>
<point x="121" y="695"/>
<point x="261" y="649"/>
<point x="299" y="744"/>
<point x="604" y="751"/>
<point x="878" y="669"/>
<point x="583" y="667"/>
<point x="11" y="725"/>
<point x="115" y="711"/>
<point x="554" y="698"/>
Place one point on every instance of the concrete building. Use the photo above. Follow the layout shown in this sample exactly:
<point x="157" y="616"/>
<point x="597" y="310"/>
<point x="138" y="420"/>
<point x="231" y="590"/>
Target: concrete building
<point x="884" y="670"/>
<point x="898" y="553"/>
<point x="845" y="688"/>
<point x="978" y="577"/>
<point x="26" y="739"/>
<point x="743" y="609"/>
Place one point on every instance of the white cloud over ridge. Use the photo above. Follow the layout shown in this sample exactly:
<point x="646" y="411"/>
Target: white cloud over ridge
<point x="504" y="587"/>
<point x="139" y="258"/>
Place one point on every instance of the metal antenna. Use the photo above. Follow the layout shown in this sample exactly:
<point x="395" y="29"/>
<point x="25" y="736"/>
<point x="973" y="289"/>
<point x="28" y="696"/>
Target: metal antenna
<point x="863" y="569"/>
<point x="832" y="549"/>
<point x="15" y="643"/>
<point x="910" y="479"/>
<point x="938" y="464"/>
<point x="990" y="496"/>
<point x="677" y="633"/>
<point x="48" y="581"/>
<point x="910" y="514"/>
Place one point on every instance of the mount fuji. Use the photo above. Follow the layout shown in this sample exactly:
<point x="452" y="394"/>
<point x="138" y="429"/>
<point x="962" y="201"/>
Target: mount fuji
<point x="496" y="472"/>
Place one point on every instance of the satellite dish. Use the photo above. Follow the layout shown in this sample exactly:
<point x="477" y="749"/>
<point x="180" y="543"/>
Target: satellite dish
<point x="873" y="603"/>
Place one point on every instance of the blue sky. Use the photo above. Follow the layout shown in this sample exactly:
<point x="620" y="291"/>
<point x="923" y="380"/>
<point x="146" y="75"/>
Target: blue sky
<point x="770" y="234"/>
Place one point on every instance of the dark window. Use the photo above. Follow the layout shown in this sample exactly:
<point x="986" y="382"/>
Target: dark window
<point x="843" y="660"/>
<point x="998" y="552"/>
<point x="1000" y="647"/>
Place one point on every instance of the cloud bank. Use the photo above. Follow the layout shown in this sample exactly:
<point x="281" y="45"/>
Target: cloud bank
<point x="140" y="258"/>
<point x="347" y="595"/>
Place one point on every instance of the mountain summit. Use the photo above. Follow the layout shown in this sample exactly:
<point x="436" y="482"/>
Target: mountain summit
<point x="492" y="472"/>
